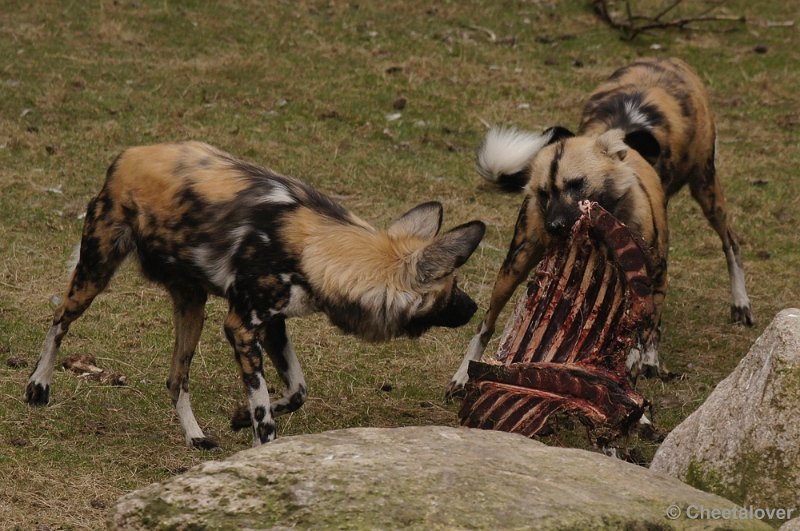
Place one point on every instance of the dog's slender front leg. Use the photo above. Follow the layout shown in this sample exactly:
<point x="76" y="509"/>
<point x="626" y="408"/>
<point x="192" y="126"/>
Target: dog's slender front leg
<point x="507" y="281"/>
<point x="279" y="349"/>
<point x="281" y="354"/>
<point x="525" y="252"/>
<point x="243" y="338"/>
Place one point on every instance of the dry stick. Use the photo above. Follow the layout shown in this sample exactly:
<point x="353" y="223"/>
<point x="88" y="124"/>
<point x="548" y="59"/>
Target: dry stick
<point x="630" y="30"/>
<point x="667" y="9"/>
<point x="489" y="33"/>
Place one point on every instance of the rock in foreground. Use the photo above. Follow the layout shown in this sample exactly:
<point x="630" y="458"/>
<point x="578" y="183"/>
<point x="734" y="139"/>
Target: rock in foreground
<point x="742" y="443"/>
<point x="417" y="477"/>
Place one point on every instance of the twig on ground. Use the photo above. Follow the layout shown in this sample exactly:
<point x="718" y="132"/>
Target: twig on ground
<point x="489" y="33"/>
<point x="634" y="24"/>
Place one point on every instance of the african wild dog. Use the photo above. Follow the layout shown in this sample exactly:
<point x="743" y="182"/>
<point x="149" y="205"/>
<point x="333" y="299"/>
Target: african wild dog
<point x="657" y="107"/>
<point x="203" y="222"/>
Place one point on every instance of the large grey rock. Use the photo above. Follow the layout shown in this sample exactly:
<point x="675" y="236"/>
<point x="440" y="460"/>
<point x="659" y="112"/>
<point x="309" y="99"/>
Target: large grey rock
<point x="416" y="477"/>
<point x="791" y="525"/>
<point x="744" y="441"/>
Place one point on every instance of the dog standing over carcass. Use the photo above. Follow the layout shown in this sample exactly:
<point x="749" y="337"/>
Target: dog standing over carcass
<point x="645" y="133"/>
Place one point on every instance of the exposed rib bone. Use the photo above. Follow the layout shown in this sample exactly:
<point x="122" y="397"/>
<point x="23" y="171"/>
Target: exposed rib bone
<point x="564" y="348"/>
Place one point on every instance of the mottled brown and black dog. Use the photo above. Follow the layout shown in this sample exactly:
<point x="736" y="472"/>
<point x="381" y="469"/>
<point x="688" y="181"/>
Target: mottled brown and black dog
<point x="203" y="222"/>
<point x="645" y="133"/>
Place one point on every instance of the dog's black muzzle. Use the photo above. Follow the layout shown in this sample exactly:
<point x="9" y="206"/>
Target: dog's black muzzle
<point x="458" y="311"/>
<point x="560" y="217"/>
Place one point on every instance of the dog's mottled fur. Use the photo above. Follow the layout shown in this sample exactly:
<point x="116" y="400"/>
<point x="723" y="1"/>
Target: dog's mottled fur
<point x="203" y="222"/>
<point x="658" y="108"/>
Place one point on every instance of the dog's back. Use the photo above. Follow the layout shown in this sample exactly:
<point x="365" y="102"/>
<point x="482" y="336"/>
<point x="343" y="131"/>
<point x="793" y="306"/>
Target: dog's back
<point x="195" y="212"/>
<point x="663" y="108"/>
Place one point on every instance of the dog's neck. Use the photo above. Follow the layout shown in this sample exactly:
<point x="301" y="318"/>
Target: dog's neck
<point x="350" y="264"/>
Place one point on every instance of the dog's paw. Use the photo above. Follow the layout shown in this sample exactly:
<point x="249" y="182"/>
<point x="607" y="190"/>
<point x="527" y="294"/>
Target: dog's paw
<point x="241" y="418"/>
<point x="742" y="315"/>
<point x="37" y="394"/>
<point x="204" y="443"/>
<point x="264" y="433"/>
<point x="455" y="390"/>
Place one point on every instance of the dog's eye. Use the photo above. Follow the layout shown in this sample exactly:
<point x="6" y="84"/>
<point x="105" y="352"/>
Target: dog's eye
<point x="543" y="197"/>
<point x="575" y="185"/>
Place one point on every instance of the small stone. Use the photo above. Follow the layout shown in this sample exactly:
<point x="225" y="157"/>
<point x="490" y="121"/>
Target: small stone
<point x="97" y="503"/>
<point x="329" y="115"/>
<point x="17" y="363"/>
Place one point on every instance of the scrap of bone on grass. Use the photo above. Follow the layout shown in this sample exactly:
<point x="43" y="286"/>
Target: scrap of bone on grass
<point x="563" y="350"/>
<point x="85" y="366"/>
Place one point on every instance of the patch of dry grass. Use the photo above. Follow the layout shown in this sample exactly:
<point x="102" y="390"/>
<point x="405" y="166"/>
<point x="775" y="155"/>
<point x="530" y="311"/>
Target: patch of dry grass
<point x="306" y="87"/>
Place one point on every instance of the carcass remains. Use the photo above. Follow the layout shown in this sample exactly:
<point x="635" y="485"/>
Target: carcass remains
<point x="564" y="348"/>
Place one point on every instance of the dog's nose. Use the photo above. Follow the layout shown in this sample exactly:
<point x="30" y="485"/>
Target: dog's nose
<point x="459" y="311"/>
<point x="556" y="226"/>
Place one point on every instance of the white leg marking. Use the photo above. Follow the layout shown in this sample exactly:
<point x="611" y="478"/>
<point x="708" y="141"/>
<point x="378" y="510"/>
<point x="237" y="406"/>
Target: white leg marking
<point x="633" y="362"/>
<point x="641" y="356"/>
<point x="650" y="357"/>
<point x="43" y="375"/>
<point x="183" y="407"/>
<point x="474" y="353"/>
<point x="739" y="296"/>
<point x="295" y="380"/>
<point x="259" y="398"/>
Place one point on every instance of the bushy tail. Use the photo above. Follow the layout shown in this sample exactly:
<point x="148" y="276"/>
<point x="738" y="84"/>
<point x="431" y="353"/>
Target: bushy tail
<point x="505" y="155"/>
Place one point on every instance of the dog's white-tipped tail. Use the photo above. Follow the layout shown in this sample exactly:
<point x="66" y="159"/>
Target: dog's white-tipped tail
<point x="505" y="153"/>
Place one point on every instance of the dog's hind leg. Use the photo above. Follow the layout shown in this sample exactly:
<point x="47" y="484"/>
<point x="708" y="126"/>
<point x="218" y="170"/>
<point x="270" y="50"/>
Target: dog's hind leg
<point x="707" y="191"/>
<point x="241" y="331"/>
<point x="525" y="252"/>
<point x="104" y="245"/>
<point x="189" y="313"/>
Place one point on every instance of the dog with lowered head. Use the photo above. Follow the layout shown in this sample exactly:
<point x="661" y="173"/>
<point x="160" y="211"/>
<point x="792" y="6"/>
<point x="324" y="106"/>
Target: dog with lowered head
<point x="645" y="133"/>
<point x="202" y="222"/>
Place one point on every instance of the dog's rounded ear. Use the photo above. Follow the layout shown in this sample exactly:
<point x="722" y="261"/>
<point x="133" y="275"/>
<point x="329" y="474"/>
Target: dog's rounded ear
<point x="612" y="143"/>
<point x="644" y="143"/>
<point x="449" y="251"/>
<point x="557" y="133"/>
<point x="422" y="221"/>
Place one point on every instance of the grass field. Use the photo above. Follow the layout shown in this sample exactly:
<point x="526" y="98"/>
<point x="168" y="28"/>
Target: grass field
<point x="380" y="105"/>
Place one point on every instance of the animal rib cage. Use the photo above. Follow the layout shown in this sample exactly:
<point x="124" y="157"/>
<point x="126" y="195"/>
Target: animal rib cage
<point x="564" y="348"/>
